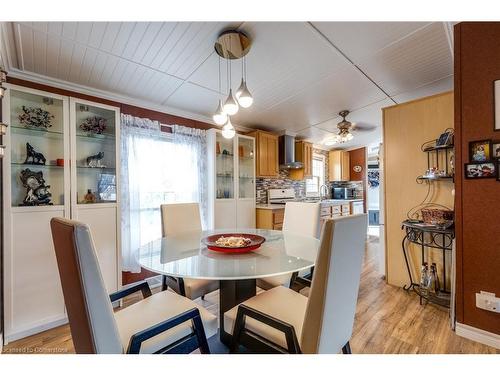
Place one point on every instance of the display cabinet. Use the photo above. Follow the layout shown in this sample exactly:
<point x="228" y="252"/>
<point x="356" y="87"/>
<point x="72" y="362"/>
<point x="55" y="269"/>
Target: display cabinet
<point x="36" y="188"/>
<point x="47" y="174"/>
<point x="231" y="171"/>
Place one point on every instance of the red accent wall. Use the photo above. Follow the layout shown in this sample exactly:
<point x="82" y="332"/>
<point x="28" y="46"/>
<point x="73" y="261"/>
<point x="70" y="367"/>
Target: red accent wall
<point x="477" y="202"/>
<point x="358" y="157"/>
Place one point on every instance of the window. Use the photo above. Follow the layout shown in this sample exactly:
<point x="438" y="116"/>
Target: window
<point x="157" y="168"/>
<point x="318" y="176"/>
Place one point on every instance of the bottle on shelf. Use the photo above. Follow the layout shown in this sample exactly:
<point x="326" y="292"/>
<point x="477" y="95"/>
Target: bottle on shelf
<point x="435" y="278"/>
<point x="424" y="279"/>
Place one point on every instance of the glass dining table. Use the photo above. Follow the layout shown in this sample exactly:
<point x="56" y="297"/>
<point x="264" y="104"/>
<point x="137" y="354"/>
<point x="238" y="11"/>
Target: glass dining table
<point x="186" y="256"/>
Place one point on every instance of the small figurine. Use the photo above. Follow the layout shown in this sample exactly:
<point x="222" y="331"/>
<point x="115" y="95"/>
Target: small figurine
<point x="37" y="158"/>
<point x="89" y="197"/>
<point x="94" y="161"/>
<point x="37" y="193"/>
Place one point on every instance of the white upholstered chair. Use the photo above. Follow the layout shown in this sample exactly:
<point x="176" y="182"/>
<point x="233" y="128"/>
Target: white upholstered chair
<point x="300" y="218"/>
<point x="178" y="218"/>
<point x="281" y="320"/>
<point x="161" y="323"/>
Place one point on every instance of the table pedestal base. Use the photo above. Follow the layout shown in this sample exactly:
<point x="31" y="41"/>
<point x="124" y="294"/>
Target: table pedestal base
<point x="232" y="293"/>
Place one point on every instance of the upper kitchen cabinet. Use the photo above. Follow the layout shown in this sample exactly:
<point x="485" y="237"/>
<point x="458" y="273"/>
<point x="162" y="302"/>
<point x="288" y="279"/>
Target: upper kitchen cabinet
<point x="303" y="154"/>
<point x="338" y="165"/>
<point x="266" y="154"/>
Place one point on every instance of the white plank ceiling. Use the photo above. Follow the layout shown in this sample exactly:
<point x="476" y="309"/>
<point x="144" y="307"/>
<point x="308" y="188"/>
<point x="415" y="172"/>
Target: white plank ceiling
<point x="300" y="74"/>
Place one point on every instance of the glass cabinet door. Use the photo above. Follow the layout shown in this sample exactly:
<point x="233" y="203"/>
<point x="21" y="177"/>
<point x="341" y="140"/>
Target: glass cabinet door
<point x="95" y="153"/>
<point x="224" y="167"/>
<point x="246" y="163"/>
<point x="37" y="149"/>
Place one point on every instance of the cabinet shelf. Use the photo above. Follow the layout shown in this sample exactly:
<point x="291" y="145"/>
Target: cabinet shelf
<point x="95" y="137"/>
<point x="34" y="166"/>
<point x="84" y="168"/>
<point x="24" y="130"/>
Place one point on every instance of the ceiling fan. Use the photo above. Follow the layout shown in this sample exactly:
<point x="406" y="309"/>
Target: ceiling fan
<point x="346" y="129"/>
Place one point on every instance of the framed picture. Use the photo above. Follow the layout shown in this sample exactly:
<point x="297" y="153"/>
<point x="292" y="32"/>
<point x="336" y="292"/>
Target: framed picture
<point x="480" y="150"/>
<point x="480" y="170"/>
<point x="495" y="150"/>
<point x="496" y="98"/>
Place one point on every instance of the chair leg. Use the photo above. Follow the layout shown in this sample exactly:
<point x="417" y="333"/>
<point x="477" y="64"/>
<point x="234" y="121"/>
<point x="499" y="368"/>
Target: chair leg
<point x="292" y="279"/>
<point x="203" y="297"/>
<point x="346" y="349"/>
<point x="200" y="335"/>
<point x="164" y="285"/>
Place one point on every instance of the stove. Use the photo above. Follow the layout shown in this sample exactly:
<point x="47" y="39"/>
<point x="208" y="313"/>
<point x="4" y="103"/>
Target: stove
<point x="281" y="196"/>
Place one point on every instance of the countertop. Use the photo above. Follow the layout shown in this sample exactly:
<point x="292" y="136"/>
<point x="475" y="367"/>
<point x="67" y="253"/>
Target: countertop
<point x="329" y="202"/>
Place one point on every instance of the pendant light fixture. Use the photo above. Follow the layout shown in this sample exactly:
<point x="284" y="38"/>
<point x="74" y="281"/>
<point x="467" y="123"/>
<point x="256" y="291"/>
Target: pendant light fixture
<point x="243" y="95"/>
<point x="228" y="130"/>
<point x="219" y="117"/>
<point x="230" y="106"/>
<point x="232" y="45"/>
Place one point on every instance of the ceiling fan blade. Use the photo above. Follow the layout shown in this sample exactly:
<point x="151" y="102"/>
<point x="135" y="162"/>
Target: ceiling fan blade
<point x="363" y="127"/>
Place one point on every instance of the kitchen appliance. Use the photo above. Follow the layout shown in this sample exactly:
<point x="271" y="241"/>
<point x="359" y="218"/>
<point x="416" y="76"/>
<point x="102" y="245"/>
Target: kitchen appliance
<point x="281" y="196"/>
<point x="287" y="153"/>
<point x="343" y="193"/>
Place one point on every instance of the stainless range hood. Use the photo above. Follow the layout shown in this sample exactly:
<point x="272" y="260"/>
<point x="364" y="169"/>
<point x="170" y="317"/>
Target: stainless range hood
<point x="287" y="153"/>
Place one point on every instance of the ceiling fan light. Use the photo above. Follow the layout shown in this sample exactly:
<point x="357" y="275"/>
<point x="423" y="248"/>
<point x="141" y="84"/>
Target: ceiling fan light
<point x="228" y="131"/>
<point x="230" y="105"/>
<point x="219" y="117"/>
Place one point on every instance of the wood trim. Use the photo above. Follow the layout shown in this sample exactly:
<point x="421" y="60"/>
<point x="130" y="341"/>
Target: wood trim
<point x="459" y="304"/>
<point x="419" y="99"/>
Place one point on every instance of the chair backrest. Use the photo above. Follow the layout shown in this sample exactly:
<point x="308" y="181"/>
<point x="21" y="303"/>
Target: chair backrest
<point x="333" y="296"/>
<point x="179" y="218"/>
<point x="91" y="319"/>
<point x="302" y="218"/>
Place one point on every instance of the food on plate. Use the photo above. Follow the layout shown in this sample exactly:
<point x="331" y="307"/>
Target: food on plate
<point x="233" y="241"/>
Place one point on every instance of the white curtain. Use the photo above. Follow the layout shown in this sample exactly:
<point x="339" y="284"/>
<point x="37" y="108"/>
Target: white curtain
<point x="157" y="167"/>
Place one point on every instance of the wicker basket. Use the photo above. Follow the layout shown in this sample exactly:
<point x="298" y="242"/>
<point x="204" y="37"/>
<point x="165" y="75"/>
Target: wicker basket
<point x="437" y="216"/>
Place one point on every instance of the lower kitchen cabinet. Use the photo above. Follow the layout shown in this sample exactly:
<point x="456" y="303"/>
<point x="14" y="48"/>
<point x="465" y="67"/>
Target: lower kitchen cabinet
<point x="270" y="218"/>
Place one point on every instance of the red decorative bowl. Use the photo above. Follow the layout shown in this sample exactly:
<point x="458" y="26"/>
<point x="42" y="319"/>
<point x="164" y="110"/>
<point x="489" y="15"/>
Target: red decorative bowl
<point x="255" y="242"/>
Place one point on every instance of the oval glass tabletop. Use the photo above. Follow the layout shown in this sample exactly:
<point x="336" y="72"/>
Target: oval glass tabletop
<point x="186" y="256"/>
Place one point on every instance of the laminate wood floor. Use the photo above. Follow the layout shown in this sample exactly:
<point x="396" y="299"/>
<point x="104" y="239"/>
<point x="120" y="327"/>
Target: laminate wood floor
<point x="388" y="320"/>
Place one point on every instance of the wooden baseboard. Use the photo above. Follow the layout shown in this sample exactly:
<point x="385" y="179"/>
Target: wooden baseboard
<point x="478" y="335"/>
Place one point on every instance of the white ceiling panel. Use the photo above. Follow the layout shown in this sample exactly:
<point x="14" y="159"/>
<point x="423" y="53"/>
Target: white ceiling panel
<point x="442" y="85"/>
<point x="314" y="135"/>
<point x="421" y="58"/>
<point x="359" y="40"/>
<point x="194" y="98"/>
<point x="286" y="58"/>
<point x="316" y="103"/>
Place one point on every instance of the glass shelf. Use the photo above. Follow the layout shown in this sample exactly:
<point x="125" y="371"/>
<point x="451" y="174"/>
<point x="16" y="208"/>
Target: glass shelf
<point x="101" y="169"/>
<point x="429" y="178"/>
<point x="96" y="137"/>
<point x="34" y="166"/>
<point x="34" y="131"/>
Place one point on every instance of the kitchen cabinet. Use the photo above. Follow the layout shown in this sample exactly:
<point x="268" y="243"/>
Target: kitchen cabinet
<point x="266" y="154"/>
<point x="338" y="165"/>
<point x="231" y="186"/>
<point x="32" y="292"/>
<point x="270" y="218"/>
<point x="303" y="154"/>
<point x="357" y="207"/>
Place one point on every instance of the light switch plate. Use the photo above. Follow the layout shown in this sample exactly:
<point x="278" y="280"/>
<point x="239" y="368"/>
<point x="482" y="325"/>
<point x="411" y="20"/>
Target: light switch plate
<point x="488" y="301"/>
